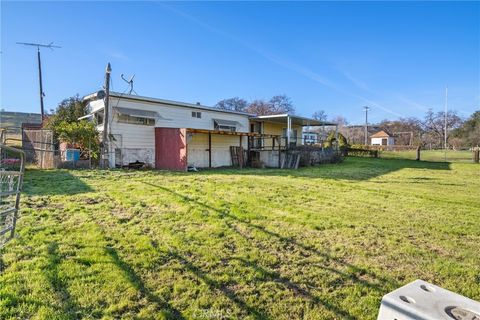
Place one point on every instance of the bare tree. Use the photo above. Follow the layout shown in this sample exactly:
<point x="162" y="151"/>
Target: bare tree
<point x="281" y="104"/>
<point x="260" y="108"/>
<point x="434" y="126"/>
<point x="319" y="115"/>
<point x="407" y="131"/>
<point x="234" y="104"/>
<point x="341" y="121"/>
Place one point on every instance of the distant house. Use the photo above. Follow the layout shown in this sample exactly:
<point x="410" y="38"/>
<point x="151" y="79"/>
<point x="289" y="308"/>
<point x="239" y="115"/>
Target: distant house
<point x="310" y="137"/>
<point x="174" y="135"/>
<point x="382" y="138"/>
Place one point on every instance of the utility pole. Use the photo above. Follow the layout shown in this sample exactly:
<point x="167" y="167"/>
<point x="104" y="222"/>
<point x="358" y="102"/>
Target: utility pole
<point x="105" y="151"/>
<point x="366" y="124"/>
<point x="38" y="45"/>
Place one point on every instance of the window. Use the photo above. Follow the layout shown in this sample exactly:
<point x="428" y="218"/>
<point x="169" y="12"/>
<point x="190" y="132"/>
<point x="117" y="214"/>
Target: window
<point x="226" y="128"/>
<point x="98" y="118"/>
<point x="125" y="118"/>
<point x="293" y="135"/>
<point x="225" y="125"/>
<point x="196" y="114"/>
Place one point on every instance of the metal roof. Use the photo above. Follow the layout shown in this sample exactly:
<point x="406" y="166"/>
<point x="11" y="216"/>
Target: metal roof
<point x="113" y="94"/>
<point x="296" y="120"/>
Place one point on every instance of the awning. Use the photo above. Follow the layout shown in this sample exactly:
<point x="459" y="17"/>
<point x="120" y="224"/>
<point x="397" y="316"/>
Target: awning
<point x="227" y="123"/>
<point x="137" y="113"/>
<point x="86" y="117"/>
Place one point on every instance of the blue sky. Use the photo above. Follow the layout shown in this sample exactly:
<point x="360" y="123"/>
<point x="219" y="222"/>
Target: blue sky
<point x="396" y="57"/>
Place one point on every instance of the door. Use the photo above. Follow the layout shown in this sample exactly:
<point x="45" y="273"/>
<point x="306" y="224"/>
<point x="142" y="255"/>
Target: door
<point x="170" y="149"/>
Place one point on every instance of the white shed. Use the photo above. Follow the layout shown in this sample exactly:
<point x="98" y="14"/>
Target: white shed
<point x="382" y="138"/>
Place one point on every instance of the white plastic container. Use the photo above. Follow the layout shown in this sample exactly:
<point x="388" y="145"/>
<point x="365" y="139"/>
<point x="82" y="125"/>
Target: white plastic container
<point x="421" y="300"/>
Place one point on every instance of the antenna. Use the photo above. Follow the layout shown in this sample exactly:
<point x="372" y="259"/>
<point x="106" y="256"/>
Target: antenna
<point x="39" y="45"/>
<point x="130" y="83"/>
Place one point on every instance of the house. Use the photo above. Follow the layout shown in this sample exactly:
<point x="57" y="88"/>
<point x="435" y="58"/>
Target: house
<point x="173" y="135"/>
<point x="310" y="137"/>
<point x="382" y="138"/>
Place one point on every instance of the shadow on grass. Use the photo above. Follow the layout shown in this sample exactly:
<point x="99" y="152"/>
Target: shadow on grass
<point x="137" y="282"/>
<point x="53" y="182"/>
<point x="214" y="285"/>
<point x="352" y="168"/>
<point x="68" y="305"/>
<point x="355" y="275"/>
<point x="299" y="290"/>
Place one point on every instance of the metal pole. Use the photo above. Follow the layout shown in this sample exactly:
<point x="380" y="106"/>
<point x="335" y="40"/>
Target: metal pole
<point x="41" y="84"/>
<point x="445" y="118"/>
<point x="105" y="152"/>
<point x="366" y="124"/>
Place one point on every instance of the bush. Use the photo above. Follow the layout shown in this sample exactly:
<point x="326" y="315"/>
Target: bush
<point x="82" y="133"/>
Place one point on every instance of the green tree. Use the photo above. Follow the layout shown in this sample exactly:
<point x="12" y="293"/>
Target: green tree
<point x="81" y="133"/>
<point x="342" y="141"/>
<point x="68" y="110"/>
<point x="469" y="132"/>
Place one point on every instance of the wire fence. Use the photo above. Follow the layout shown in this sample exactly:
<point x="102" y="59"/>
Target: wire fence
<point x="12" y="167"/>
<point x="41" y="150"/>
<point x="414" y="153"/>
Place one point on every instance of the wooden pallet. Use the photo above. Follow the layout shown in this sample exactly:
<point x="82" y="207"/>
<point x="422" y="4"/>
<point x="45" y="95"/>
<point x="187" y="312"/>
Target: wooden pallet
<point x="290" y="161"/>
<point x="238" y="156"/>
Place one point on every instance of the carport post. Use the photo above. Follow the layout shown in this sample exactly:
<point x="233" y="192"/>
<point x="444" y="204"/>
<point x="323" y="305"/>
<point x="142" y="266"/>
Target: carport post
<point x="336" y="136"/>
<point x="209" y="149"/>
<point x="289" y="128"/>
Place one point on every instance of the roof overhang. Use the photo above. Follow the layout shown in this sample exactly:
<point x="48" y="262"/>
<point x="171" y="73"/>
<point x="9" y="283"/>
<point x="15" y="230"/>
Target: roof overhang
<point x="296" y="120"/>
<point x="86" y="116"/>
<point x="100" y="95"/>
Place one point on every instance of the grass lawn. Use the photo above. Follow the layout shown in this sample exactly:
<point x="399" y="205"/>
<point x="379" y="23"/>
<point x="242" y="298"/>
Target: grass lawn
<point x="315" y="243"/>
<point x="431" y="155"/>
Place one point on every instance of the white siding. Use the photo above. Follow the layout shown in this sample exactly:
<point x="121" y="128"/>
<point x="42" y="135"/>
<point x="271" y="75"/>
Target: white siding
<point x="137" y="142"/>
<point x="197" y="149"/>
<point x="378" y="141"/>
<point x="181" y="117"/>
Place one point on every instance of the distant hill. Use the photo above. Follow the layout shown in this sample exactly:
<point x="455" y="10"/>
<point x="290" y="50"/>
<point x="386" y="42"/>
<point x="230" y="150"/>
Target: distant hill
<point x="12" y="121"/>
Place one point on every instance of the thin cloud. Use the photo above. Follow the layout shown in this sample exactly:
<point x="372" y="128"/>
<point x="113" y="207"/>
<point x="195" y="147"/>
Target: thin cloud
<point x="302" y="70"/>
<point x="360" y="84"/>
<point x="118" y="55"/>
<point x="414" y="104"/>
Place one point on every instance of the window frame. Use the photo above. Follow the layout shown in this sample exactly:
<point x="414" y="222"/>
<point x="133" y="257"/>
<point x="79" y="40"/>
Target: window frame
<point x="197" y="114"/>
<point x="141" y="121"/>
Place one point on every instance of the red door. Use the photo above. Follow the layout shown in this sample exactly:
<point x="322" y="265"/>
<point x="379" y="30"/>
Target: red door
<point x="171" y="149"/>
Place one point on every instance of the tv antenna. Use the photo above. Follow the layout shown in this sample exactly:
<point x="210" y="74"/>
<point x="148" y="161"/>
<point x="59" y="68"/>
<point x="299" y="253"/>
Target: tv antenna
<point x="130" y="84"/>
<point x="39" y="45"/>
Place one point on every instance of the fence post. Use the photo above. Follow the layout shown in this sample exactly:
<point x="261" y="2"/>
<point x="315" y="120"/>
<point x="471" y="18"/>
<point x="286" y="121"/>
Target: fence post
<point x="418" y="153"/>
<point x="476" y="156"/>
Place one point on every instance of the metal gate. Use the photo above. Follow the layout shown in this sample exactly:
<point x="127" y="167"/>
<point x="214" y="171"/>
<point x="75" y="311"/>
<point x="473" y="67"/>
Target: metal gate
<point x="12" y="168"/>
